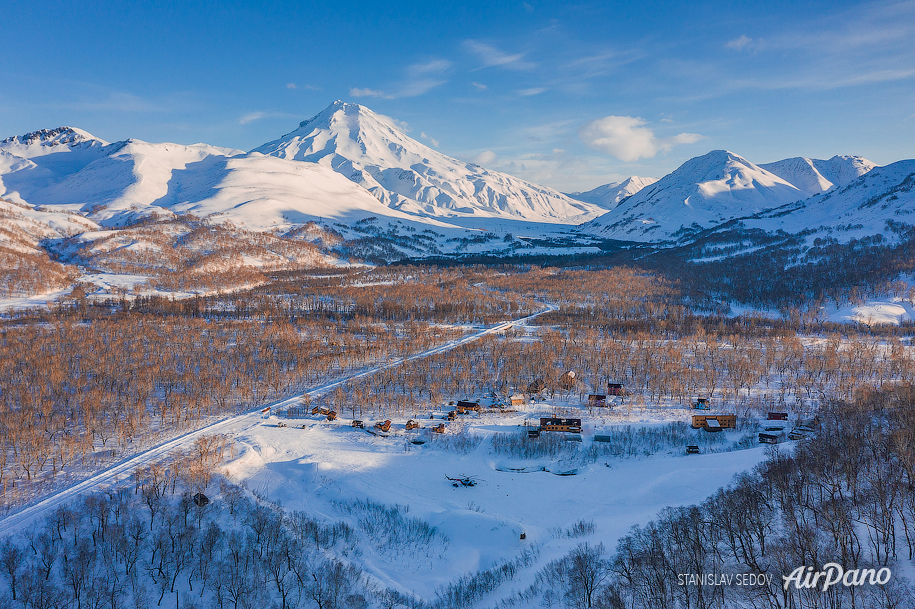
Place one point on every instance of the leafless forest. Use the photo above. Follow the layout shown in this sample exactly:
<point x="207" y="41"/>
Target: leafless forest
<point x="93" y="380"/>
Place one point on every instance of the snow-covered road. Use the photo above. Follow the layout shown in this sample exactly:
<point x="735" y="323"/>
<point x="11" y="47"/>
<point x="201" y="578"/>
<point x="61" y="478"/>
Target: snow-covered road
<point x="17" y="521"/>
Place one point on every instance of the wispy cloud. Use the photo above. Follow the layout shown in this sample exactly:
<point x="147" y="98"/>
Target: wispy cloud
<point x="419" y="79"/>
<point x="738" y="44"/>
<point x="292" y="85"/>
<point x="257" y="115"/>
<point x="364" y="92"/>
<point x="491" y="56"/>
<point x="429" y="138"/>
<point x="531" y="91"/>
<point x="628" y="139"/>
<point x="479" y="86"/>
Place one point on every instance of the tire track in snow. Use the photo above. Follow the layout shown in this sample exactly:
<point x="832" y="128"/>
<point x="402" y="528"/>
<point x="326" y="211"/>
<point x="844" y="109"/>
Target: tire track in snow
<point x="239" y="423"/>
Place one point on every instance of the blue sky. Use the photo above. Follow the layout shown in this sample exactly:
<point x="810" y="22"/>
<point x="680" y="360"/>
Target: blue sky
<point x="568" y="95"/>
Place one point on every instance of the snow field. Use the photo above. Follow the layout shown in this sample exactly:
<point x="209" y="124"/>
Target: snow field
<point x="326" y="466"/>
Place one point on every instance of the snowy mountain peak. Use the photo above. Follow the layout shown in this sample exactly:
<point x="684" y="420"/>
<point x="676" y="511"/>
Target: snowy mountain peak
<point x="43" y="139"/>
<point x="609" y="195"/>
<point x="814" y="176"/>
<point x="701" y="193"/>
<point x="374" y="151"/>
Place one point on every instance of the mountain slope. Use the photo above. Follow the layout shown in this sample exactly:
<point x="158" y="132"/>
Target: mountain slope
<point x="815" y="175"/>
<point x="877" y="202"/>
<point x="701" y="193"/>
<point x="372" y="151"/>
<point x="117" y="184"/>
<point x="609" y="195"/>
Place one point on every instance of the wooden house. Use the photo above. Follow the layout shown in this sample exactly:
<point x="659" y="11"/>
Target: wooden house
<point x="516" y="400"/>
<point x="777" y="416"/>
<point x="597" y="400"/>
<point x="536" y="386"/>
<point x="558" y="424"/>
<point x="358" y="424"/>
<point x="615" y="389"/>
<point x="714" y="422"/>
<point x="769" y="438"/>
<point x="463" y="407"/>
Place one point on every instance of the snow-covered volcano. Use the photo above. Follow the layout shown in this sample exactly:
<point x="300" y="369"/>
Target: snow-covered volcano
<point x="701" y="193"/>
<point x="373" y="151"/>
<point x="816" y="175"/>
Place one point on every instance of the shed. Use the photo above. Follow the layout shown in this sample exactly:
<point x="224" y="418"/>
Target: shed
<point x="615" y="389"/>
<point x="201" y="500"/>
<point x="596" y="399"/>
<point x="768" y="438"/>
<point x="777" y="416"/>
<point x="516" y="400"/>
<point x="701" y="404"/>
<point x="692" y="449"/>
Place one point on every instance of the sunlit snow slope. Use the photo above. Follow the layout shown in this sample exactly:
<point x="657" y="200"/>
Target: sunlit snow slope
<point x="371" y="150"/>
<point x="701" y="193"/>
<point x="609" y="195"/>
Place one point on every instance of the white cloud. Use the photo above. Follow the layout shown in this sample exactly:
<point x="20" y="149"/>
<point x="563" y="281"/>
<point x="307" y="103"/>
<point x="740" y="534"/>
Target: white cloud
<point x="479" y="86"/>
<point x="291" y="85"/>
<point x="357" y="92"/>
<point x="491" y="56"/>
<point x="628" y="139"/>
<point x="484" y="158"/>
<point x="251" y="117"/>
<point x="434" y="66"/>
<point x="431" y="139"/>
<point x="420" y="78"/>
<point x="738" y="44"/>
<point x="531" y="91"/>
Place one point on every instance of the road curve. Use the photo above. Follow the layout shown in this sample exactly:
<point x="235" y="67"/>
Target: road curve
<point x="15" y="522"/>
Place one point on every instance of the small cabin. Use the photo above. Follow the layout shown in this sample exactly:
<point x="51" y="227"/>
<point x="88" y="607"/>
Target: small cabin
<point x="386" y="426"/>
<point x="440" y="428"/>
<point x="714" y="422"/>
<point x="777" y="416"/>
<point x="201" y="500"/>
<point x="567" y="380"/>
<point x="516" y="400"/>
<point x="463" y="407"/>
<point x="558" y="424"/>
<point x="768" y="438"/>
<point x="411" y="424"/>
<point x="536" y="387"/>
<point x="597" y="400"/>
<point x="359" y="424"/>
<point x="615" y="389"/>
<point x="692" y="449"/>
<point x="331" y="415"/>
<point x="452" y="414"/>
<point x="316" y="410"/>
<point x="701" y="404"/>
